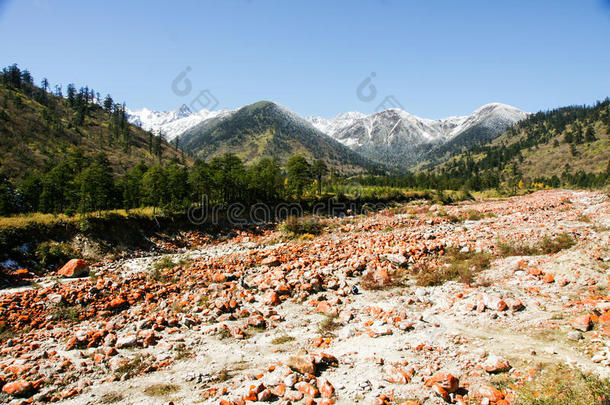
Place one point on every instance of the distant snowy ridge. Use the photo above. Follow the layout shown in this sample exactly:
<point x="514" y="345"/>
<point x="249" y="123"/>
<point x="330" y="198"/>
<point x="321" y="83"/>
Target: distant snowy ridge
<point x="171" y="123"/>
<point x="356" y="129"/>
<point x="392" y="137"/>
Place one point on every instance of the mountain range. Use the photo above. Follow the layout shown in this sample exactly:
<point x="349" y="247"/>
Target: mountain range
<point x="267" y="129"/>
<point x="393" y="137"/>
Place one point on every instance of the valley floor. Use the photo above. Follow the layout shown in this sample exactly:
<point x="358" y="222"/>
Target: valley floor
<point x="251" y="318"/>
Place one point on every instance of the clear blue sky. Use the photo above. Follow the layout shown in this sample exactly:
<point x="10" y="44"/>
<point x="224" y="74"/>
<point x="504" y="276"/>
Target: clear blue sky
<point x="438" y="58"/>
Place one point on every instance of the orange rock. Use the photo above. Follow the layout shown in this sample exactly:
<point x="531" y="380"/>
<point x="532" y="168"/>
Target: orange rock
<point x="326" y="389"/>
<point x="19" y="388"/>
<point x="279" y="390"/>
<point x="490" y="393"/>
<point x="495" y="364"/>
<point x="444" y="380"/>
<point x="548" y="278"/>
<point x="397" y="376"/>
<point x="441" y="392"/>
<point x="534" y="271"/>
<point x="270" y="261"/>
<point x="271" y="298"/>
<point x="604" y="319"/>
<point x="302" y="364"/>
<point x="117" y="303"/>
<point x="500" y="305"/>
<point x="515" y="304"/>
<point x="582" y="323"/>
<point x="307" y="389"/>
<point x="325" y="308"/>
<point x="74" y="268"/>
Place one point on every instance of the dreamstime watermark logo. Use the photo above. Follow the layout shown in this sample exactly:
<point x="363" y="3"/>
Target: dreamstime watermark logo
<point x="182" y="87"/>
<point x="367" y="92"/>
<point x="238" y="214"/>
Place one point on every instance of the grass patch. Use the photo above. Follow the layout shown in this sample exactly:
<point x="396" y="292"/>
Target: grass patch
<point x="111" y="397"/>
<point x="24" y="221"/>
<point x="224" y="333"/>
<point x="134" y="366"/>
<point x="328" y="325"/>
<point x="65" y="312"/>
<point x="54" y="253"/>
<point x="165" y="263"/>
<point x="280" y="340"/>
<point x="473" y="215"/>
<point x="178" y="307"/>
<point x="566" y="386"/>
<point x="161" y="390"/>
<point x="224" y="375"/>
<point x="546" y="245"/>
<point x="512" y="248"/>
<point x="454" y="265"/>
<point x="563" y="241"/>
<point x="183" y="351"/>
<point x="397" y="279"/>
<point x="294" y="226"/>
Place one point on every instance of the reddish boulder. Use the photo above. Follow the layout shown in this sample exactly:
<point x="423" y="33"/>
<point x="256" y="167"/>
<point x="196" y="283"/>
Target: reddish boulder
<point x="582" y="323"/>
<point x="326" y="389"/>
<point x="548" y="278"/>
<point x="74" y="268"/>
<point x="302" y="364"/>
<point x="495" y="364"/>
<point x="271" y="298"/>
<point x="447" y="381"/>
<point x="604" y="319"/>
<point x="396" y="375"/>
<point x="307" y="389"/>
<point x="270" y="261"/>
<point x="490" y="393"/>
<point x="19" y="388"/>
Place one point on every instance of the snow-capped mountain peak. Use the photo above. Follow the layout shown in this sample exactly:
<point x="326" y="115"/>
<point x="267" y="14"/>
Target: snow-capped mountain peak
<point x="170" y="123"/>
<point x="391" y="136"/>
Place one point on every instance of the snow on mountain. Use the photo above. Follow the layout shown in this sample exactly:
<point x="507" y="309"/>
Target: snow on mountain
<point x="357" y="129"/>
<point x="393" y="136"/>
<point x="333" y="125"/>
<point x="171" y="123"/>
<point x="398" y="138"/>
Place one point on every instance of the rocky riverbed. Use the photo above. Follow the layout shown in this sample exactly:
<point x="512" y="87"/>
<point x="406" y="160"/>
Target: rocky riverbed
<point x="349" y="315"/>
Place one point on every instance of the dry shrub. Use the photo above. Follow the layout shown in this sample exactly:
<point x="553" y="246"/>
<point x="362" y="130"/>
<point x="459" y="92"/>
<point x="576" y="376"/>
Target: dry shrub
<point x="563" y="241"/>
<point x="161" y="390"/>
<point x="566" y="386"/>
<point x="454" y="265"/>
<point x="294" y="226"/>
<point x="397" y="279"/>
<point x="546" y="245"/>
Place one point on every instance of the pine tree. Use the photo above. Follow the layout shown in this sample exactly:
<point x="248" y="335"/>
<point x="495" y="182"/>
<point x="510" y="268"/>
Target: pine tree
<point x="108" y="104"/>
<point x="70" y="94"/>
<point x="298" y="173"/>
<point x="319" y="170"/>
<point x="590" y="134"/>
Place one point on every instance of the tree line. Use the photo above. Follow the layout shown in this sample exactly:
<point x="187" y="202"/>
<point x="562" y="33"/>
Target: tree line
<point x="81" y="183"/>
<point x="82" y="103"/>
<point x="489" y="165"/>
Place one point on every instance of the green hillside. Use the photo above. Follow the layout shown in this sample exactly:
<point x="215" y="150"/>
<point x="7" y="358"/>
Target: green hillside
<point x="266" y="130"/>
<point x="569" y="145"/>
<point x="40" y="128"/>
